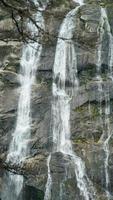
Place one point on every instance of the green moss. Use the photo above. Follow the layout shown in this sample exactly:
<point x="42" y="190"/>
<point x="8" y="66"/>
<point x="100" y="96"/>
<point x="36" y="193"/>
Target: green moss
<point x="57" y="3"/>
<point x="79" y="109"/>
<point x="95" y="111"/>
<point x="84" y="140"/>
<point x="92" y="2"/>
<point x="84" y="108"/>
<point x="81" y="140"/>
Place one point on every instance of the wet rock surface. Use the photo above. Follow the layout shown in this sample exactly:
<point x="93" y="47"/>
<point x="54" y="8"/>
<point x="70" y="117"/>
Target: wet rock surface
<point x="86" y="123"/>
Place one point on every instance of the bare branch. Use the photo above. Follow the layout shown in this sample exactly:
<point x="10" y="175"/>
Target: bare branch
<point x="25" y="36"/>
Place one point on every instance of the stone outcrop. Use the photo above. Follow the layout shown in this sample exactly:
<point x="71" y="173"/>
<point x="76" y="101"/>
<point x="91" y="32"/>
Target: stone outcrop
<point x="86" y="125"/>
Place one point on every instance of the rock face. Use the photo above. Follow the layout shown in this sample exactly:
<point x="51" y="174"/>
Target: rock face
<point x="86" y="123"/>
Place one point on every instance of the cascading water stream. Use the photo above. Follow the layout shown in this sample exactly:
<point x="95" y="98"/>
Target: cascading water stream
<point x="65" y="72"/>
<point x="99" y="63"/>
<point x="19" y="147"/>
<point x="104" y="21"/>
<point x="81" y="2"/>
<point x="49" y="181"/>
<point x="106" y="142"/>
<point x="110" y="52"/>
<point x="107" y="104"/>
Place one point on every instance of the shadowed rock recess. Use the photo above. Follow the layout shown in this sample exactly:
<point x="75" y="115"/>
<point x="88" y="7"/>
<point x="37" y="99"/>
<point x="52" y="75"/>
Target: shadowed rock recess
<point x="91" y="106"/>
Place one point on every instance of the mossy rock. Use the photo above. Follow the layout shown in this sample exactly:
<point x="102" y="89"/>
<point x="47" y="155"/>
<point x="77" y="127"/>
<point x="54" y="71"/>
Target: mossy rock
<point x="81" y="140"/>
<point x="93" y="109"/>
<point x="58" y="3"/>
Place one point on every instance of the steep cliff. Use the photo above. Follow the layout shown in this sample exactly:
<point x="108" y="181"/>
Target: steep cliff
<point x="87" y="124"/>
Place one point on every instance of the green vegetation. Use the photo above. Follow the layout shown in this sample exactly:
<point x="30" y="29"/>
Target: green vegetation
<point x="59" y="3"/>
<point x="81" y="140"/>
<point x="84" y="109"/>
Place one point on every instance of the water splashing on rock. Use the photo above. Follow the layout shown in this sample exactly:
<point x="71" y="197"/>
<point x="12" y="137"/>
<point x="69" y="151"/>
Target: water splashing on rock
<point x="19" y="148"/>
<point x="64" y="83"/>
<point x="104" y="94"/>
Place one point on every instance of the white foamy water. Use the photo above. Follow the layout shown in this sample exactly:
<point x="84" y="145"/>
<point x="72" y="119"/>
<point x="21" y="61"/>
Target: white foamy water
<point x="107" y="105"/>
<point x="65" y="70"/>
<point x="110" y="50"/>
<point x="106" y="142"/>
<point x="99" y="63"/>
<point x="49" y="181"/>
<point x="19" y="147"/>
<point x="29" y="61"/>
<point x="81" y="2"/>
<point x="107" y="133"/>
<point x="65" y="78"/>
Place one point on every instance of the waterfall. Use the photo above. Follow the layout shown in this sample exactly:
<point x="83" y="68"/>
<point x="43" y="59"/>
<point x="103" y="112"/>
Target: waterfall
<point x="19" y="147"/>
<point x="99" y="63"/>
<point x="110" y="51"/>
<point x="65" y="81"/>
<point x="81" y="2"/>
<point x="49" y="181"/>
<point x="65" y="70"/>
<point x="107" y="104"/>
<point x="107" y="133"/>
<point x="106" y="142"/>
